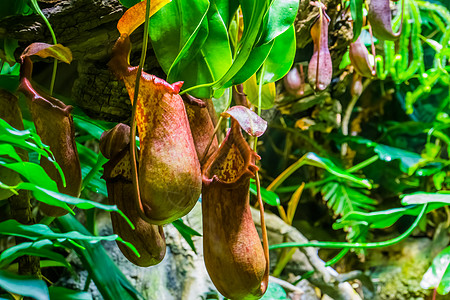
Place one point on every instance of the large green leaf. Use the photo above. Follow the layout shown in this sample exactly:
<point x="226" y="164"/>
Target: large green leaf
<point x="109" y="280"/>
<point x="253" y="13"/>
<point x="24" y="285"/>
<point x="438" y="274"/>
<point x="278" y="19"/>
<point x="198" y="37"/>
<point x="280" y="58"/>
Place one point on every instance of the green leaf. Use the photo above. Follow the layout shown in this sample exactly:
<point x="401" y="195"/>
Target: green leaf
<point x="39" y="232"/>
<point x="93" y="127"/>
<point x="269" y="197"/>
<point x="253" y="13"/>
<point x="33" y="173"/>
<point x="408" y="160"/>
<point x="35" y="288"/>
<point x="187" y="232"/>
<point x="7" y="149"/>
<point x="280" y="58"/>
<point x="278" y="19"/>
<point x="438" y="274"/>
<point x="57" y="293"/>
<point x="343" y="199"/>
<point x="110" y="281"/>
<point x="384" y="218"/>
<point x="62" y="200"/>
<point x="356" y="10"/>
<point x="27" y="140"/>
<point x="14" y="7"/>
<point x="40" y="248"/>
<point x="321" y="162"/>
<point x="129" y="3"/>
<point x="191" y="42"/>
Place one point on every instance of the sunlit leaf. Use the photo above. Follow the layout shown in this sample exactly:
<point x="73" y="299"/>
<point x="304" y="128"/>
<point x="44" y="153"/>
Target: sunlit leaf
<point x="278" y="19"/>
<point x="253" y="124"/>
<point x="438" y="274"/>
<point x="135" y="16"/>
<point x="269" y="197"/>
<point x="268" y="93"/>
<point x="44" y="50"/>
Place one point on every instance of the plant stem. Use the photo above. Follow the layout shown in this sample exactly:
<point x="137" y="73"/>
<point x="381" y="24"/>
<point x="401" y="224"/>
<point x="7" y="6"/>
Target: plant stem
<point x="52" y="33"/>
<point x="133" y="149"/>
<point x="338" y="245"/>
<point x="348" y="114"/>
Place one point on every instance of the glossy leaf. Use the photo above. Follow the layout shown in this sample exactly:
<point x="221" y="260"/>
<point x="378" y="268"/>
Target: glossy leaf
<point x="385" y="218"/>
<point x="33" y="173"/>
<point x="278" y="19"/>
<point x="321" y="162"/>
<point x="438" y="274"/>
<point x="253" y="13"/>
<point x="280" y="58"/>
<point x="408" y="160"/>
<point x="254" y="63"/>
<point x="356" y="10"/>
<point x="191" y="43"/>
<point x="35" y="288"/>
<point x="269" y="197"/>
<point x="24" y="139"/>
<point x="44" y="50"/>
<point x="253" y="124"/>
<point x="135" y="16"/>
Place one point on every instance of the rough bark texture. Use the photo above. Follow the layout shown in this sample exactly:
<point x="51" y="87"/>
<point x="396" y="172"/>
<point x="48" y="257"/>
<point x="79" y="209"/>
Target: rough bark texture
<point x="88" y="28"/>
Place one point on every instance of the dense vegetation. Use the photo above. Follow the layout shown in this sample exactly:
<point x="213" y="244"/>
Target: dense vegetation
<point x="345" y="118"/>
